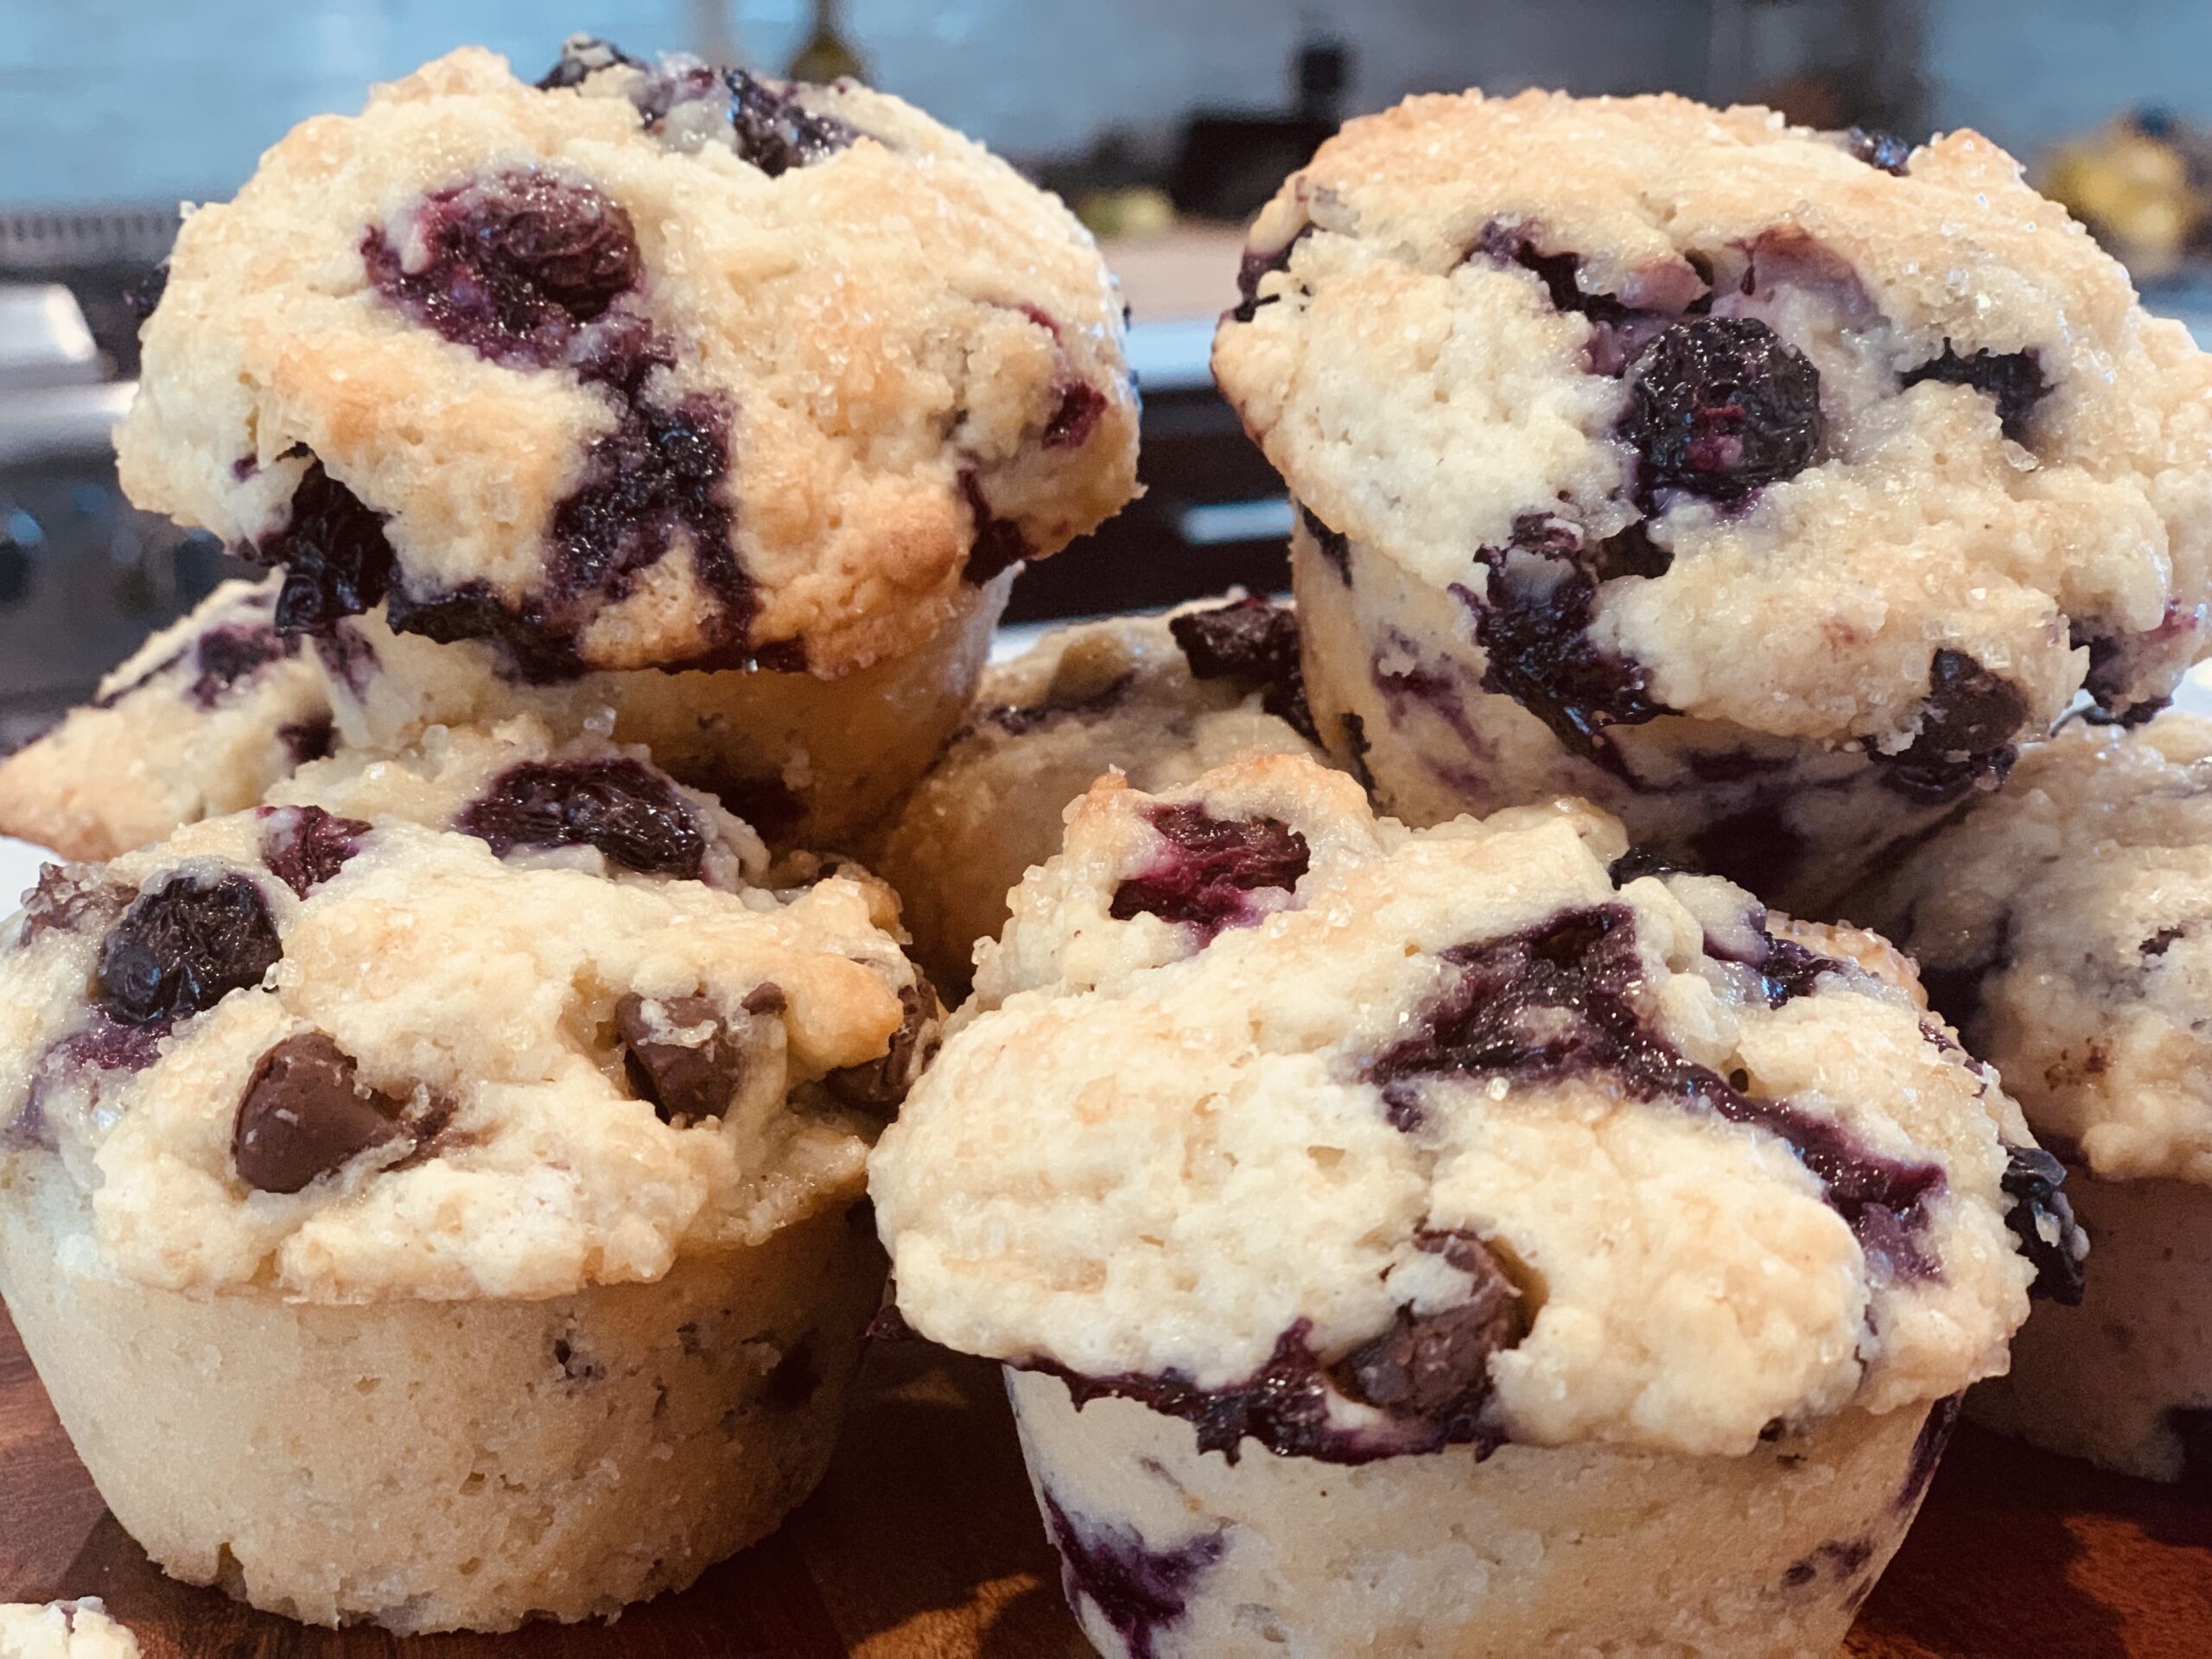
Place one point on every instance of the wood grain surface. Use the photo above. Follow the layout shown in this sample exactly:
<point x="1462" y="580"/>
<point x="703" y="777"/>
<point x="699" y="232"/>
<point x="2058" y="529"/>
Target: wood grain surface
<point x="924" y="1544"/>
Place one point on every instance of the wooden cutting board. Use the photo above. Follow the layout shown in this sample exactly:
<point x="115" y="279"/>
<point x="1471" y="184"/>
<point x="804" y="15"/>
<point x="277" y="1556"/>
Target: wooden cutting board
<point x="923" y="1544"/>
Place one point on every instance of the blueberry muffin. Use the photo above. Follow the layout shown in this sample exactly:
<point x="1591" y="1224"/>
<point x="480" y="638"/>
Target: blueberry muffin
<point x="808" y="762"/>
<point x="2066" y="927"/>
<point x="1766" y="487"/>
<point x="646" y="366"/>
<point x="63" y="1629"/>
<point x="433" y="1205"/>
<point x="1404" y="1239"/>
<point x="1160" y="699"/>
<point x="200" y="720"/>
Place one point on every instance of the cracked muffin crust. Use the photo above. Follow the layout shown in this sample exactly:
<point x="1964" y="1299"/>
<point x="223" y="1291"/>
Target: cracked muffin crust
<point x="200" y="720"/>
<point x="646" y="365"/>
<point x="1469" y="1064"/>
<point x="1160" y="699"/>
<point x="504" y="1019"/>
<point x="1723" y="420"/>
<point x="1396" y="1237"/>
<point x="470" y="1142"/>
<point x="2063" y="927"/>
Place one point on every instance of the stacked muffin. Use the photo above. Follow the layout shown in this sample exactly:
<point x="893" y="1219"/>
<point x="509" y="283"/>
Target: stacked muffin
<point x="1402" y="1237"/>
<point x="432" y="1148"/>
<point x="1400" y="1225"/>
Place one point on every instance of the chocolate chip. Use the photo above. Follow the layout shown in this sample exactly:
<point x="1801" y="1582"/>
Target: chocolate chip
<point x="880" y="1086"/>
<point x="1435" y="1365"/>
<point x="690" y="1082"/>
<point x="305" y="1114"/>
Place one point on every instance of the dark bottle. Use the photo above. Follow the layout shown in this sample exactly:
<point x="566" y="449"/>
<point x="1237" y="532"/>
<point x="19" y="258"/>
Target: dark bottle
<point x="827" y="54"/>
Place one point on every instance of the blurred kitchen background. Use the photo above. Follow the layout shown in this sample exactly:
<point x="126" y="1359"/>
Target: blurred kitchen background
<point x="1166" y="123"/>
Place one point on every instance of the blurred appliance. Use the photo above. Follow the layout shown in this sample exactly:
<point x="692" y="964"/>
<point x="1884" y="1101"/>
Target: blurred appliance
<point x="84" y="576"/>
<point x="1232" y="161"/>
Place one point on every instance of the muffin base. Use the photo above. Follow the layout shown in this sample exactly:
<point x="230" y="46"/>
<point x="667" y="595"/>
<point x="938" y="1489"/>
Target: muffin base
<point x="1395" y="683"/>
<point x="807" y="762"/>
<point x="2124" y="1380"/>
<point x="1167" y="1554"/>
<point x="444" y="1465"/>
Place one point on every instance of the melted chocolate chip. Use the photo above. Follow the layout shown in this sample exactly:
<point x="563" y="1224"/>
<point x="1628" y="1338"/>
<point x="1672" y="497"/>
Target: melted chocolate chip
<point x="1208" y="866"/>
<point x="1251" y="640"/>
<point x="1080" y="409"/>
<point x="1878" y="149"/>
<point x="997" y="545"/>
<point x="1435" y="1365"/>
<point x="1137" y="1590"/>
<point x="1287" y="1405"/>
<point x="182" y="948"/>
<point x="1558" y="1003"/>
<point x="881" y="1086"/>
<point x="337" y="563"/>
<point x="1333" y="544"/>
<point x="510" y="266"/>
<point x="1964" y="733"/>
<point x="625" y="809"/>
<point x="689" y="1081"/>
<point x="1722" y="406"/>
<point x="2013" y="378"/>
<point x="305" y="846"/>
<point x="305" y="1114"/>
<point x="775" y="132"/>
<point x="2042" y="1221"/>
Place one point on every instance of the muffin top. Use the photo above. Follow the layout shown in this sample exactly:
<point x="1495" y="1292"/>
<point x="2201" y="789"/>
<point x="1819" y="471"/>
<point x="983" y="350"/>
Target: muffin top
<point x="1158" y="698"/>
<point x="63" y="1629"/>
<point x="1686" y="410"/>
<point x="2065" y="926"/>
<point x="645" y="365"/>
<point x="1360" y="1140"/>
<point x="201" y="719"/>
<point x="513" y="1029"/>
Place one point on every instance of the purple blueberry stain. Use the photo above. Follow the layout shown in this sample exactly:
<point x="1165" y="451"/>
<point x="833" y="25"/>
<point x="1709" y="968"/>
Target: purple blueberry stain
<point x="1136" y="1589"/>
<point x="995" y="545"/>
<point x="182" y="947"/>
<point x="235" y="651"/>
<point x="1018" y="719"/>
<point x="1966" y="732"/>
<point x="2042" y="1219"/>
<point x="68" y="898"/>
<point x="1075" y="418"/>
<point x="1841" y="1560"/>
<point x="1206" y="872"/>
<point x="512" y="266"/>
<point x="1333" y="544"/>
<point x="348" y="656"/>
<point x="1251" y="640"/>
<point x="308" y="739"/>
<point x="306" y="846"/>
<point x="1557" y="1001"/>
<point x="1926" y="1453"/>
<point x="1533" y="623"/>
<point x="1720" y="407"/>
<point x="1257" y="264"/>
<point x="628" y="811"/>
<point x="2012" y="379"/>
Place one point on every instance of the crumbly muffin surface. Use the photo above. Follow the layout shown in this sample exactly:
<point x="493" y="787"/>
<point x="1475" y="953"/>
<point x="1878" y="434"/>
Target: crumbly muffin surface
<point x="521" y="1026"/>
<point x="2065" y="926"/>
<point x="1359" y="1139"/>
<point x="200" y="720"/>
<point x="1160" y="699"/>
<point x="1675" y="410"/>
<point x="63" y="1629"/>
<point x="646" y="365"/>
